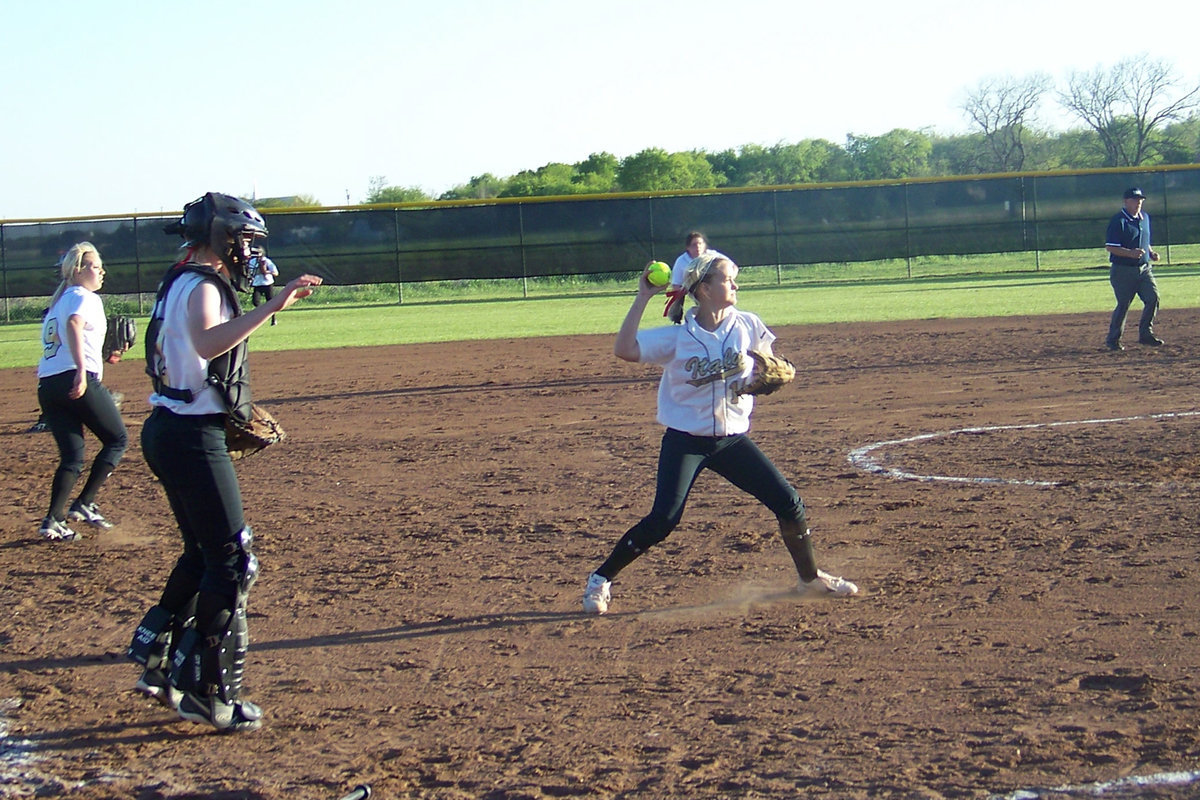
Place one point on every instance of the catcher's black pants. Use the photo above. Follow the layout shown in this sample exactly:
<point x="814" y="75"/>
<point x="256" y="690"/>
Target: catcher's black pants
<point x="680" y="461"/>
<point x="66" y="419"/>
<point x="188" y="456"/>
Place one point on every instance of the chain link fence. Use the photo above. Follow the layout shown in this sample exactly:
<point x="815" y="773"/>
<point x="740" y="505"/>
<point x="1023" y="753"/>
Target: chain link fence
<point x="599" y="234"/>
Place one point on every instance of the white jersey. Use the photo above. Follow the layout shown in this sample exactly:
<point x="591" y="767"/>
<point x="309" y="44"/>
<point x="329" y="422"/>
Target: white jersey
<point x="56" y="355"/>
<point x="681" y="264"/>
<point x="263" y="271"/>
<point x="184" y="368"/>
<point x="703" y="371"/>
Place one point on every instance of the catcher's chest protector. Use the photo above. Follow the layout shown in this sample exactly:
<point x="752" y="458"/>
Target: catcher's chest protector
<point x="228" y="372"/>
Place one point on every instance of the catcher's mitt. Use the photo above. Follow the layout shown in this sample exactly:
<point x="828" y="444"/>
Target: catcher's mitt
<point x="770" y="374"/>
<point x="245" y="438"/>
<point x="119" y="337"/>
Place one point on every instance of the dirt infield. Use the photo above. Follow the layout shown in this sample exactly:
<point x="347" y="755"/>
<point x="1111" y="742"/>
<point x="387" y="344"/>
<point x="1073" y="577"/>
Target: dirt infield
<point x="1028" y="618"/>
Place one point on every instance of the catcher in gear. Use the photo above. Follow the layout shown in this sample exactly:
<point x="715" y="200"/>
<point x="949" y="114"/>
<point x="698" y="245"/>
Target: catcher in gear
<point x="193" y="643"/>
<point x="704" y="405"/>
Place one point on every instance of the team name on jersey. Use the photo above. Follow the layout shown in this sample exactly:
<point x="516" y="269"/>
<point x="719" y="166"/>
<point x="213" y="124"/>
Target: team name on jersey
<point x="704" y="371"/>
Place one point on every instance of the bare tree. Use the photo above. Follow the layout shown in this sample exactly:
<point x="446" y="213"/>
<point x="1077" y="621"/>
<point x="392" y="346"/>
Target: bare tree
<point x="1002" y="109"/>
<point x="1127" y="105"/>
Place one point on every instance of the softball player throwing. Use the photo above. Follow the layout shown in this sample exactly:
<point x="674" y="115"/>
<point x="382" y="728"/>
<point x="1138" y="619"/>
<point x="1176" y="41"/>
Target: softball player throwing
<point x="707" y="418"/>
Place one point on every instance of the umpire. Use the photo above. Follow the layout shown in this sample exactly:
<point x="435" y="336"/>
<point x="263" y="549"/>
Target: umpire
<point x="1130" y="254"/>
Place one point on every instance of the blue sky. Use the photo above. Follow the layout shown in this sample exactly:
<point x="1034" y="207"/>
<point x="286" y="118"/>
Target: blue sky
<point x="115" y="107"/>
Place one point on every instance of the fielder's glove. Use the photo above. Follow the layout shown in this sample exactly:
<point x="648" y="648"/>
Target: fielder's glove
<point x="119" y="337"/>
<point x="246" y="437"/>
<point x="770" y="374"/>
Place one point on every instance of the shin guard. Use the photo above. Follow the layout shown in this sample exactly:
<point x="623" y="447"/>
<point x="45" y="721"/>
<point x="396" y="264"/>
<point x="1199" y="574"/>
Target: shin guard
<point x="152" y="639"/>
<point x="211" y="662"/>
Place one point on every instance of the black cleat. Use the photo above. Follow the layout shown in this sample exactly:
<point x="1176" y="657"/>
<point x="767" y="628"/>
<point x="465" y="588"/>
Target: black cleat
<point x="225" y="717"/>
<point x="155" y="684"/>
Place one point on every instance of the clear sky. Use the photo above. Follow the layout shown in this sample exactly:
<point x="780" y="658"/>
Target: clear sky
<point x="115" y="106"/>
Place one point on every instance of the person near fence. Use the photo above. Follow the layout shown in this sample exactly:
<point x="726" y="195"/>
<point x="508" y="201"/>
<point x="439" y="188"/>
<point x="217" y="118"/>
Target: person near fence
<point x="707" y="418"/>
<point x="1130" y="256"/>
<point x="695" y="245"/>
<point x="262" y="284"/>
<point x="72" y="395"/>
<point x="193" y="643"/>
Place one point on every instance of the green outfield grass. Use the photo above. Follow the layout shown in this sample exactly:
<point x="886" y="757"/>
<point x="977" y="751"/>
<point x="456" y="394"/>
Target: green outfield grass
<point x="470" y="312"/>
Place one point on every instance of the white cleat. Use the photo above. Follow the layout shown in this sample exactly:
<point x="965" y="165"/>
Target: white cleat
<point x="831" y="584"/>
<point x="89" y="513"/>
<point x="597" y="594"/>
<point x="57" y="531"/>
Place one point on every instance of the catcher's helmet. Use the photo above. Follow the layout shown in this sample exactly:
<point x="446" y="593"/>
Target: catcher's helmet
<point x="229" y="225"/>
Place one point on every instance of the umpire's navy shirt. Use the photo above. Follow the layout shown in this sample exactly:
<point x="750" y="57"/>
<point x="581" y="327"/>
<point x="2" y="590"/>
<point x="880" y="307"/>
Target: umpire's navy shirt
<point x="1129" y="232"/>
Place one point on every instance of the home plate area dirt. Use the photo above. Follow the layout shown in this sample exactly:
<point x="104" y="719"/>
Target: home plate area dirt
<point x="1018" y="505"/>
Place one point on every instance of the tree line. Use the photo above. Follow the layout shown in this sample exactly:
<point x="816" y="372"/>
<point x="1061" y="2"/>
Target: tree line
<point x="1136" y="112"/>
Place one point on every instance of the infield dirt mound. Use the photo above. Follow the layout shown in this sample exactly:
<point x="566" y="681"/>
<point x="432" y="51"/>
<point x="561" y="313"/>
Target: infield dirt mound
<point x="426" y="530"/>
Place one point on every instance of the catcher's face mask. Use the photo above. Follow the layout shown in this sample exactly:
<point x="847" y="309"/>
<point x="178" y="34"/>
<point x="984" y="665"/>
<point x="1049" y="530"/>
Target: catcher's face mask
<point x="236" y="234"/>
<point x="230" y="226"/>
<point x="236" y="252"/>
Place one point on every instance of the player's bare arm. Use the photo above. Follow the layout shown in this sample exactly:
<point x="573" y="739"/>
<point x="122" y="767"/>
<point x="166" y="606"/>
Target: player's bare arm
<point x="211" y="336"/>
<point x="296" y="289"/>
<point x="626" y="346"/>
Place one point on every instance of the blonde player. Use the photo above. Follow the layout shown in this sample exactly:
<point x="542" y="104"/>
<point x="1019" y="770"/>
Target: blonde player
<point x="707" y="419"/>
<point x="71" y="393"/>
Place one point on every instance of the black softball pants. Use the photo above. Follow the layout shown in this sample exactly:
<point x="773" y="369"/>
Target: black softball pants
<point x="681" y="459"/>
<point x="261" y="294"/>
<point x="189" y="457"/>
<point x="66" y="419"/>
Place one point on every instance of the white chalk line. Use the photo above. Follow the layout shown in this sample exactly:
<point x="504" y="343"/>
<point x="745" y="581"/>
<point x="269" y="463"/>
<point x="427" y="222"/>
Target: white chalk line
<point x="16" y="755"/>
<point x="863" y="458"/>
<point x="19" y="775"/>
<point x="1103" y="787"/>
